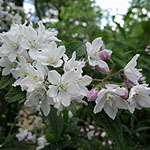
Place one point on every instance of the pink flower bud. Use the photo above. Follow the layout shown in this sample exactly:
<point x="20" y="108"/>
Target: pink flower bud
<point x="103" y="70"/>
<point x="98" y="128"/>
<point x="103" y="134"/>
<point x="91" y="126"/>
<point x="92" y="94"/>
<point x="110" y="142"/>
<point x="104" y="55"/>
<point x="97" y="134"/>
<point x="104" y="143"/>
<point x="87" y="130"/>
<point x="147" y="48"/>
<point x="125" y="96"/>
<point x="82" y="130"/>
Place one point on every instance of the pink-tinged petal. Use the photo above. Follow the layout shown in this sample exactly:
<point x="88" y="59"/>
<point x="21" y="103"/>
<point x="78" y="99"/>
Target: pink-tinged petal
<point x="120" y="103"/>
<point x="125" y="96"/>
<point x="143" y="101"/>
<point x="93" y="94"/>
<point x="104" y="55"/>
<point x="103" y="70"/>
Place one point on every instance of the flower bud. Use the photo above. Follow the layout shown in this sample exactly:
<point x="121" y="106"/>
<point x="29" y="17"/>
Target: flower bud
<point x="91" y="127"/>
<point x="104" y="55"/>
<point x="110" y="142"/>
<point x="82" y="130"/>
<point x="125" y="96"/>
<point x="92" y="94"/>
<point x="103" y="70"/>
<point x="97" y="134"/>
<point x="147" y="48"/>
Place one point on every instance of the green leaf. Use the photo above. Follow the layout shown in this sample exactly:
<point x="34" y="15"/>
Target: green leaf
<point x="113" y="128"/>
<point x="49" y="137"/>
<point x="6" y="80"/>
<point x="56" y="124"/>
<point x="77" y="46"/>
<point x="15" y="94"/>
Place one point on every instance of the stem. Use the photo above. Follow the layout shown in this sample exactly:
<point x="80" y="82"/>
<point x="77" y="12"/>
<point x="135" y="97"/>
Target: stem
<point x="97" y="80"/>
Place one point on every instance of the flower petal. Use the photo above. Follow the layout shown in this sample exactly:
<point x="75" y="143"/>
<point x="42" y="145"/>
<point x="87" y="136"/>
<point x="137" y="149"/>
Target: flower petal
<point x="53" y="91"/>
<point x="64" y="98"/>
<point x="45" y="107"/>
<point x="54" y="77"/>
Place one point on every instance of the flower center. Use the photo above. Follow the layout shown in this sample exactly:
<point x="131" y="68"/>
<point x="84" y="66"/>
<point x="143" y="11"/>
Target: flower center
<point x="14" y="46"/>
<point x="51" y="59"/>
<point x="96" y="53"/>
<point x="109" y="99"/>
<point x="140" y="95"/>
<point x="63" y="86"/>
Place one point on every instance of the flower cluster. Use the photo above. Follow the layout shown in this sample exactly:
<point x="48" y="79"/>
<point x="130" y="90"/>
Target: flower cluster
<point x="33" y="57"/>
<point x="112" y="97"/>
<point x="26" y="135"/>
<point x="9" y="13"/>
<point x="90" y="131"/>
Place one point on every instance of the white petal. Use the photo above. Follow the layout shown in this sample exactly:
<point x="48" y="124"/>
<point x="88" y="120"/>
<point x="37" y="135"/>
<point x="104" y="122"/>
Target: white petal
<point x="133" y="62"/>
<point x="144" y="102"/>
<point x="69" y="77"/>
<point x="121" y="103"/>
<point x="54" y="77"/>
<point x="97" y="44"/>
<point x="53" y="91"/>
<point x="64" y="98"/>
<point x="86" y="80"/>
<point x="100" y="101"/>
<point x="110" y="111"/>
<point x="72" y="89"/>
<point x="32" y="100"/>
<point x="45" y="107"/>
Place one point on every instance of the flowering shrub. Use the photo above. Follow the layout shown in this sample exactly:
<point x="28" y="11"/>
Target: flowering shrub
<point x="50" y="79"/>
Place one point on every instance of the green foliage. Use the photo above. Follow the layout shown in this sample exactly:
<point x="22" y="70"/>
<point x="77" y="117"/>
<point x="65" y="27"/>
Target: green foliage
<point x="15" y="94"/>
<point x="56" y="124"/>
<point x="77" y="46"/>
<point x="6" y="81"/>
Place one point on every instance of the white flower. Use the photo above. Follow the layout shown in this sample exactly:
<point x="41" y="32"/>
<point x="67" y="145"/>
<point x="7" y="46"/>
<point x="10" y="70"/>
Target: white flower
<point x="109" y="99"/>
<point x="36" y="40"/>
<point x="139" y="97"/>
<point x="22" y="134"/>
<point x="11" y="46"/>
<point x="93" y="51"/>
<point x="51" y="56"/>
<point x="39" y="97"/>
<point x="131" y="72"/>
<point x="63" y="87"/>
<point x="28" y="76"/>
<point x="5" y="62"/>
<point x="41" y="141"/>
<point x="30" y="138"/>
<point x="72" y="64"/>
<point x="82" y="82"/>
<point x="90" y="134"/>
